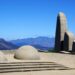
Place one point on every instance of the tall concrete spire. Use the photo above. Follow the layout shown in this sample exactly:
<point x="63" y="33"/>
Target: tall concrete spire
<point x="61" y="28"/>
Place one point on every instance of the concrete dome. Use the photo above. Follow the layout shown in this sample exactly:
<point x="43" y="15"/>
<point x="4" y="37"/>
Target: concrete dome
<point x="27" y="53"/>
<point x="2" y="57"/>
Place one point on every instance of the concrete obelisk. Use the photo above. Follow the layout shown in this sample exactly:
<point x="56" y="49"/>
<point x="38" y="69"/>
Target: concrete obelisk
<point x="60" y="31"/>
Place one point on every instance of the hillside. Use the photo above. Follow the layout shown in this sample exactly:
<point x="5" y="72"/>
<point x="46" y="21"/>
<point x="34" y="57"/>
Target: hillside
<point x="39" y="42"/>
<point x="5" y="45"/>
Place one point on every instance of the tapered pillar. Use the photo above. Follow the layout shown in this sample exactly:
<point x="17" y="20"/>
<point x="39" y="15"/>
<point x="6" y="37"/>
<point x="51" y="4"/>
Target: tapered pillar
<point x="60" y="32"/>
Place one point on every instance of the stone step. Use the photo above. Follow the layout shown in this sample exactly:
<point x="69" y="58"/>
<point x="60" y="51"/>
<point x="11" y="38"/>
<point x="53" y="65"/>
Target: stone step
<point x="36" y="66"/>
<point x="30" y="69"/>
<point x="30" y="66"/>
<point x="26" y="63"/>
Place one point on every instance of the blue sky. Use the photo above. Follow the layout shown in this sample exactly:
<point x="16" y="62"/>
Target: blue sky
<point x="33" y="18"/>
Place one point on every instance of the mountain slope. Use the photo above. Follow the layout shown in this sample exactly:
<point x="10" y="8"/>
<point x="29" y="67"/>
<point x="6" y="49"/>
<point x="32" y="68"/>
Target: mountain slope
<point x="39" y="42"/>
<point x="4" y="45"/>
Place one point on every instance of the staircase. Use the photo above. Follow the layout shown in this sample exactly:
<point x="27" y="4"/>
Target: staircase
<point x="30" y="66"/>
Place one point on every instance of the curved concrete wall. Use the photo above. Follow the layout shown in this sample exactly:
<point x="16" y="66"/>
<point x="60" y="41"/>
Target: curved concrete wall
<point x="68" y="41"/>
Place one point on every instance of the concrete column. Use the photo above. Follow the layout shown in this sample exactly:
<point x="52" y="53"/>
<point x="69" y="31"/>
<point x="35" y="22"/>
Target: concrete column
<point x="60" y="31"/>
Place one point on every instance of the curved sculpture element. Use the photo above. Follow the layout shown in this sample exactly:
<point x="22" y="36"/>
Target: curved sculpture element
<point x="60" y="31"/>
<point x="68" y="41"/>
<point x="27" y="53"/>
<point x="73" y="47"/>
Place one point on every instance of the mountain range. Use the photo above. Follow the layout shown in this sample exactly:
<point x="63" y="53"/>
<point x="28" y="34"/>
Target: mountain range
<point x="41" y="43"/>
<point x="5" y="45"/>
<point x="38" y="42"/>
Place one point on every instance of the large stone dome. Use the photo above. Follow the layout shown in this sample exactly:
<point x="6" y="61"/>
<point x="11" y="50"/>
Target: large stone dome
<point x="27" y="53"/>
<point x="2" y="57"/>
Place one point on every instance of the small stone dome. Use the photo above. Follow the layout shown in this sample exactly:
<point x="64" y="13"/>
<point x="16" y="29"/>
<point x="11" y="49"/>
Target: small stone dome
<point x="27" y="53"/>
<point x="2" y="57"/>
